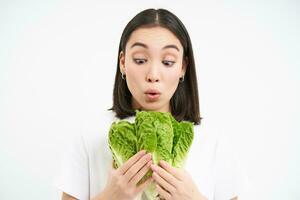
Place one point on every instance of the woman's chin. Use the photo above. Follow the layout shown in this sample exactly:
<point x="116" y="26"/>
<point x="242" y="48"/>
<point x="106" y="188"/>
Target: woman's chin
<point x="154" y="107"/>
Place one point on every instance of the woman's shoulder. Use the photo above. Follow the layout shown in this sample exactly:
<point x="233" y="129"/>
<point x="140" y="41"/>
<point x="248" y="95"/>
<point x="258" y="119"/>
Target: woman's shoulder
<point x="93" y="120"/>
<point x="203" y="148"/>
<point x="95" y="129"/>
<point x="205" y="135"/>
<point x="95" y="125"/>
<point x="214" y="142"/>
<point x="216" y="138"/>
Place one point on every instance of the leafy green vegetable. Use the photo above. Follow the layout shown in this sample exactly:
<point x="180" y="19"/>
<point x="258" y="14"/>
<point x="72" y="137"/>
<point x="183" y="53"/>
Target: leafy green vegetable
<point x="156" y="132"/>
<point x="183" y="138"/>
<point x="122" y="141"/>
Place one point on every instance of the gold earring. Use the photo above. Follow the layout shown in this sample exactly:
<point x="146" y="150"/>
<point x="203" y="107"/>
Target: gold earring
<point x="181" y="79"/>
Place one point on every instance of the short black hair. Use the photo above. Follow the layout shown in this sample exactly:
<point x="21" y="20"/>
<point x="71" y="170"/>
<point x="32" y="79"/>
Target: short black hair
<point x="185" y="101"/>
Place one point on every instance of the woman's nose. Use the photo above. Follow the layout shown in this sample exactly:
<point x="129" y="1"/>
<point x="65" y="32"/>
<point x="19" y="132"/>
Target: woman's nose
<point x="153" y="76"/>
<point x="152" y="79"/>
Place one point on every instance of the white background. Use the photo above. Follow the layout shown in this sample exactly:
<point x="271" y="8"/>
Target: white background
<point x="58" y="61"/>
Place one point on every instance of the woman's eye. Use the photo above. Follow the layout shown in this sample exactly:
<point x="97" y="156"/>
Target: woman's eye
<point x="168" y="63"/>
<point x="139" y="61"/>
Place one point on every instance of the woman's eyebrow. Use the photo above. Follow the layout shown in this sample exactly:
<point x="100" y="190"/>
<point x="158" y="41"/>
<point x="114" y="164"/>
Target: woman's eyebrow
<point x="145" y="46"/>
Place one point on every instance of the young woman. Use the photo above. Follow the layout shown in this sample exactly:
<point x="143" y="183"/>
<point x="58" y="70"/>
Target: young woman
<point x="155" y="72"/>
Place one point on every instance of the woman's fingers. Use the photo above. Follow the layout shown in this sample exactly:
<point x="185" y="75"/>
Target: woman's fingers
<point x="162" y="182"/>
<point x="162" y="192"/>
<point x="169" y="178"/>
<point x="144" y="185"/>
<point x="123" y="169"/>
<point x="167" y="167"/>
<point x="137" y="166"/>
<point x="140" y="174"/>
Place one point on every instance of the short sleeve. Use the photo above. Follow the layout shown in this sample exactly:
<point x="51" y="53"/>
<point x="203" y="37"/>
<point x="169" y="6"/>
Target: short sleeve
<point x="73" y="177"/>
<point x="228" y="178"/>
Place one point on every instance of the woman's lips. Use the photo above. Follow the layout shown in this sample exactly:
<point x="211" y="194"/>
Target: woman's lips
<point x="152" y="96"/>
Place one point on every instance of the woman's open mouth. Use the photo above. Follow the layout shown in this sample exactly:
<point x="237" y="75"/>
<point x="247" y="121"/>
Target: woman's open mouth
<point x="152" y="96"/>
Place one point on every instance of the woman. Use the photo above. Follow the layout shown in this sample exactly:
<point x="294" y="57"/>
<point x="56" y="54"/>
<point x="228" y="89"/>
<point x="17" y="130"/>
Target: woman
<point x="155" y="72"/>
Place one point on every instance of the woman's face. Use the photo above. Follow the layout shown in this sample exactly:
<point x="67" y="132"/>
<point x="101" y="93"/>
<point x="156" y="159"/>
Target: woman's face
<point x="153" y="60"/>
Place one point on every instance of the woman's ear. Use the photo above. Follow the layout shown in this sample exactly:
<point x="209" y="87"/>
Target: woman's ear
<point x="122" y="62"/>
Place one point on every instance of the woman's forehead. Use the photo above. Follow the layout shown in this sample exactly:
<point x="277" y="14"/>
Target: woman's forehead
<point x="153" y="38"/>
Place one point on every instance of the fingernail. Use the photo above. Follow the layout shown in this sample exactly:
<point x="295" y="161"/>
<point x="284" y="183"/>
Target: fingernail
<point x="143" y="152"/>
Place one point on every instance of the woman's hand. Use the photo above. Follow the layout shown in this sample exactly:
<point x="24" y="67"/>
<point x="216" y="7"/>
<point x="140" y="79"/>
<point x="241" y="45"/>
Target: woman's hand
<point x="122" y="182"/>
<point x="174" y="184"/>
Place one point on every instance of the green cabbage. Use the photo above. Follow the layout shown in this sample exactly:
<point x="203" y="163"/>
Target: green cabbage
<point x="156" y="132"/>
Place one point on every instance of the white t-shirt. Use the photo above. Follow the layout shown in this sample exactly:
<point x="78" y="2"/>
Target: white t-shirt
<point x="87" y="161"/>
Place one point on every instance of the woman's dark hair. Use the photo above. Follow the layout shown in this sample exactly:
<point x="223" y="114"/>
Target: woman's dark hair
<point x="185" y="101"/>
